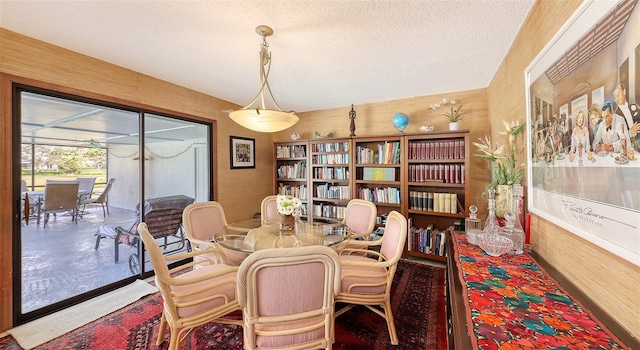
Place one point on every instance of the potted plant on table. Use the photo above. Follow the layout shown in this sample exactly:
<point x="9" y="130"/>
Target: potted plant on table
<point x="505" y="171"/>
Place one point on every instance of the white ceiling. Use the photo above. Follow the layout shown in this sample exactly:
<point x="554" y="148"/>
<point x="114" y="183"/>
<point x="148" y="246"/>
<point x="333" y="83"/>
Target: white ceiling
<point x="325" y="54"/>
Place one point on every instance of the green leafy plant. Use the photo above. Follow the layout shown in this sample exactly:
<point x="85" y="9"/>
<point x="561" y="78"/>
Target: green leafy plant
<point x="455" y="114"/>
<point x="502" y="158"/>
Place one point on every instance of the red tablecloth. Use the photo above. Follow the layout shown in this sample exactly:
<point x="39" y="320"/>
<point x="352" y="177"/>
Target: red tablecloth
<point x="513" y="303"/>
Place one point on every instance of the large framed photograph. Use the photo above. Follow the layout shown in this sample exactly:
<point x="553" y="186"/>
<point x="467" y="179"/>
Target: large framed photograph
<point x="243" y="152"/>
<point x="585" y="175"/>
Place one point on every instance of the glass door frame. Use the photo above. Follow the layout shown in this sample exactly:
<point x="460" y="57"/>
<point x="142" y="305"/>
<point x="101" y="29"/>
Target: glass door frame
<point x="16" y="90"/>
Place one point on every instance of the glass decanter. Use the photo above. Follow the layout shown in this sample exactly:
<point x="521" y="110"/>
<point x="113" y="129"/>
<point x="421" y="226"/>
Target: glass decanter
<point x="518" y="231"/>
<point x="491" y="225"/>
<point x="507" y="230"/>
<point x="472" y="225"/>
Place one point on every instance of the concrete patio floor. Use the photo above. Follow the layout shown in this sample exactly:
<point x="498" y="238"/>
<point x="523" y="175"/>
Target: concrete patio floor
<point x="59" y="261"/>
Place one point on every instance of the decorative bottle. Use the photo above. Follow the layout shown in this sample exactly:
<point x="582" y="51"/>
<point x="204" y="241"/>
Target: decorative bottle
<point x="518" y="231"/>
<point x="472" y="225"/>
<point x="491" y="226"/>
<point x="507" y="230"/>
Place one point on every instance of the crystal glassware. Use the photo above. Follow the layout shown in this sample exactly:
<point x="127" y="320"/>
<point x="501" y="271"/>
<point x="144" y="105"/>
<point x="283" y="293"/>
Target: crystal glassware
<point x="472" y="225"/>
<point x="518" y="231"/>
<point x="491" y="225"/>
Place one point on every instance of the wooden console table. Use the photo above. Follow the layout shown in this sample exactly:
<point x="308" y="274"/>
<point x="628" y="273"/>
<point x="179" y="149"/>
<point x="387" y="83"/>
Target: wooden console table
<point x="517" y="302"/>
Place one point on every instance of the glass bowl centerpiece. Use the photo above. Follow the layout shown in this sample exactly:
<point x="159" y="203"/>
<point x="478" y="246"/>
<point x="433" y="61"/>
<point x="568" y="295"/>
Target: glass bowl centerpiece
<point x="493" y="244"/>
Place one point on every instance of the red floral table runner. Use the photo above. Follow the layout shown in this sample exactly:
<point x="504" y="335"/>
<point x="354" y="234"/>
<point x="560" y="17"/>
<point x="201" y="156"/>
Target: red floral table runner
<point x="512" y="303"/>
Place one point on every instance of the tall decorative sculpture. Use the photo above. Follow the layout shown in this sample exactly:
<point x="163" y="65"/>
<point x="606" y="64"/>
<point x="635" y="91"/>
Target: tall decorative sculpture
<point x="352" y="127"/>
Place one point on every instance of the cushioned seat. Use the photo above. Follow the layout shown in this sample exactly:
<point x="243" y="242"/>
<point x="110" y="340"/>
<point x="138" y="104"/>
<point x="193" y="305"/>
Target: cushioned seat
<point x="367" y="274"/>
<point x="192" y="297"/>
<point x="287" y="297"/>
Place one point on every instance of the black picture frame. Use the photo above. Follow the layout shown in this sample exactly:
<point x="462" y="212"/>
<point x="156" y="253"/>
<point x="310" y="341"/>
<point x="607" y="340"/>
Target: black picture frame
<point x="242" y="152"/>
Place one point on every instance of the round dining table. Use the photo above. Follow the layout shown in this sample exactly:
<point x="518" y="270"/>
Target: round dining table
<point x="306" y="233"/>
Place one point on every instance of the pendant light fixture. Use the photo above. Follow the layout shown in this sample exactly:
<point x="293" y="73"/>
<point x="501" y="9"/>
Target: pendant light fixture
<point x="259" y="118"/>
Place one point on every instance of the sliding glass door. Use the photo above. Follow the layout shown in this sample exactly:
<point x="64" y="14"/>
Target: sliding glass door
<point x="126" y="163"/>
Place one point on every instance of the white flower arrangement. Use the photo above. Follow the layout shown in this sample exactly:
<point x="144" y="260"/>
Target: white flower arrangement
<point x="441" y="103"/>
<point x="502" y="157"/>
<point x="289" y="205"/>
<point x="454" y="115"/>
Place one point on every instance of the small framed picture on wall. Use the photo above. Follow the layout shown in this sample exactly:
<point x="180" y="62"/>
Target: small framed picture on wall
<point x="243" y="152"/>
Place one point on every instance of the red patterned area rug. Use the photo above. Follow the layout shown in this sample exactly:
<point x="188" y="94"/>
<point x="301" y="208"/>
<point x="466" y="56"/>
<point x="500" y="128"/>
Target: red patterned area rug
<point x="418" y="303"/>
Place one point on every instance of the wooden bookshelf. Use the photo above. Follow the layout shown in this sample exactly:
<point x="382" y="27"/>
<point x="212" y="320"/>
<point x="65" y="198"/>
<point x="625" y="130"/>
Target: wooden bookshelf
<point x="379" y="172"/>
<point x="436" y="186"/>
<point x="291" y="171"/>
<point x="384" y="170"/>
<point x="330" y="173"/>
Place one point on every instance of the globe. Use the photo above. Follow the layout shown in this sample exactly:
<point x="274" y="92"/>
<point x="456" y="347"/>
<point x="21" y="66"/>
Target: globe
<point x="400" y="121"/>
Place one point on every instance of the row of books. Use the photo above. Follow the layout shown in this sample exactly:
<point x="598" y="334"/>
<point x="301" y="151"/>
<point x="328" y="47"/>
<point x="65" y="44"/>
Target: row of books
<point x="293" y="171"/>
<point x="386" y="153"/>
<point x="291" y="151"/>
<point x="330" y="159"/>
<point x="377" y="233"/>
<point x="328" y="211"/>
<point x="453" y="149"/>
<point x="330" y="147"/>
<point x="331" y="173"/>
<point x="427" y="240"/>
<point x="330" y="191"/>
<point x="447" y="173"/>
<point x="299" y="192"/>
<point x="435" y="201"/>
<point x="379" y="174"/>
<point x="380" y="194"/>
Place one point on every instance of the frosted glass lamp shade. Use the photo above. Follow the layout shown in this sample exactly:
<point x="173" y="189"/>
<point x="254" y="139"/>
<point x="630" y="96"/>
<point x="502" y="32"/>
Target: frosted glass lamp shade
<point x="264" y="120"/>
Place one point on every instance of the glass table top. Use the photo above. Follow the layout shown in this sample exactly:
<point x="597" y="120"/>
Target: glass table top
<point x="242" y="237"/>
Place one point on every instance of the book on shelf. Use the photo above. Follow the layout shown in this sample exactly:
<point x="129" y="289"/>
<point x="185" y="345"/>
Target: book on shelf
<point x="291" y="151"/>
<point x="380" y="174"/>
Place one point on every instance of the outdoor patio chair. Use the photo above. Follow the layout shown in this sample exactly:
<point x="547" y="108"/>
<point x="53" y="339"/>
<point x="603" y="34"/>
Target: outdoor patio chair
<point x="86" y="186"/>
<point x="30" y="203"/>
<point x="163" y="216"/>
<point x="101" y="200"/>
<point x="287" y="297"/>
<point x="59" y="198"/>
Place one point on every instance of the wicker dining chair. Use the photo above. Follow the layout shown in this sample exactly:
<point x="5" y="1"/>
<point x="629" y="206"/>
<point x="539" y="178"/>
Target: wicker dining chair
<point x="367" y="274"/>
<point x="287" y="297"/>
<point x="205" y="219"/>
<point x="269" y="210"/>
<point x="191" y="298"/>
<point x="360" y="218"/>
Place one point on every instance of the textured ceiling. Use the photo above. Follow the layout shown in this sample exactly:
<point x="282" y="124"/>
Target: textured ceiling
<point x="325" y="54"/>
